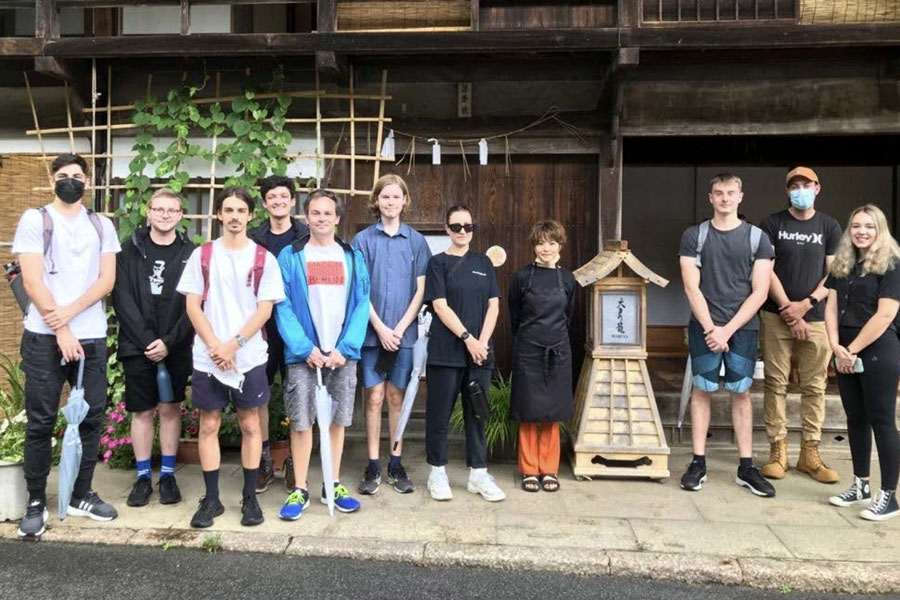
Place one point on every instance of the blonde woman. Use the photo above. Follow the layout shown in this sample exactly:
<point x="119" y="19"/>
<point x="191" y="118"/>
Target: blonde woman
<point x="863" y="298"/>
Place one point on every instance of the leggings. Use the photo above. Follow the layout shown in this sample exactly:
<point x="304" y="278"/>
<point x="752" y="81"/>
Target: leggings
<point x="870" y="401"/>
<point x="444" y="385"/>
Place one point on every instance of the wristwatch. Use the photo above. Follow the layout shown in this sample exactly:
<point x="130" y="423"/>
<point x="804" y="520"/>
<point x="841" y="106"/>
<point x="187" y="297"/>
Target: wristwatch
<point x="464" y="336"/>
<point x="812" y="300"/>
<point x="241" y="340"/>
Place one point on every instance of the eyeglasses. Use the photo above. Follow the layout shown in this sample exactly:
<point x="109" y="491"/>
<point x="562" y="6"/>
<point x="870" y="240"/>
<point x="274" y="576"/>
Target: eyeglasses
<point x="169" y="212"/>
<point x="458" y="227"/>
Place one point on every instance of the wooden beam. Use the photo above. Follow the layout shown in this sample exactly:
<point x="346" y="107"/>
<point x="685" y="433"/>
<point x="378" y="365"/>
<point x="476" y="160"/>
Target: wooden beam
<point x="119" y="3"/>
<point x="475" y="19"/>
<point x="610" y="189"/>
<point x="185" y="17"/>
<point x="629" y="13"/>
<point x="11" y="47"/>
<point x="46" y="19"/>
<point x="331" y="65"/>
<point x="748" y="35"/>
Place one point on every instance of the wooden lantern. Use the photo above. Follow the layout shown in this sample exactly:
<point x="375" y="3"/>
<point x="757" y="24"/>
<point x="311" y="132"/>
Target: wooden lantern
<point x="616" y="427"/>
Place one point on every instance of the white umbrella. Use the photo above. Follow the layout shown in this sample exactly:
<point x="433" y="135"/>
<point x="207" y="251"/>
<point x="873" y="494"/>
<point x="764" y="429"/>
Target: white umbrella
<point x="323" y="417"/>
<point x="420" y="356"/>
<point x="70" y="458"/>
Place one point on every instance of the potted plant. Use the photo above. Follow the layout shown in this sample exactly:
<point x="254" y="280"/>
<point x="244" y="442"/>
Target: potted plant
<point x="499" y="432"/>
<point x="279" y="426"/>
<point x="13" y="494"/>
<point x="188" y="450"/>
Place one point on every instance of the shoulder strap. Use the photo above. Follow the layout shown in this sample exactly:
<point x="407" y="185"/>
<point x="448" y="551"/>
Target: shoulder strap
<point x="701" y="239"/>
<point x="755" y="235"/>
<point x="205" y="259"/>
<point x="98" y="226"/>
<point x="458" y="265"/>
<point x="259" y="265"/>
<point x="48" y="227"/>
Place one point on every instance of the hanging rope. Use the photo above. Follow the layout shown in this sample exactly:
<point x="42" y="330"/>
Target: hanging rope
<point x="466" y="172"/>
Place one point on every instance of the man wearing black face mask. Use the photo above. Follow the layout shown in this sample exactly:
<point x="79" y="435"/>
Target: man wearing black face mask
<point x="65" y="323"/>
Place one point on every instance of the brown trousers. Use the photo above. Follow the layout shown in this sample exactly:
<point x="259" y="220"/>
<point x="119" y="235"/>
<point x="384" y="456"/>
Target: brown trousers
<point x="778" y="345"/>
<point x="539" y="448"/>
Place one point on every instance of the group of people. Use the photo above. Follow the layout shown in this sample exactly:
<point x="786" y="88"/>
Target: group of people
<point x="822" y="294"/>
<point x="285" y="299"/>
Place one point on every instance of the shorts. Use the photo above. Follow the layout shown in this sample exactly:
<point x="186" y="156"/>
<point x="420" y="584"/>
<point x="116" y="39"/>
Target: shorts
<point x="300" y="394"/>
<point x="399" y="375"/>
<point x="208" y="393"/>
<point x="740" y="360"/>
<point x="141" y="392"/>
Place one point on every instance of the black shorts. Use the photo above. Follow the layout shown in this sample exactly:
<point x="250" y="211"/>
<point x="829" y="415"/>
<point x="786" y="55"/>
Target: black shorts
<point x="141" y="393"/>
<point x="208" y="393"/>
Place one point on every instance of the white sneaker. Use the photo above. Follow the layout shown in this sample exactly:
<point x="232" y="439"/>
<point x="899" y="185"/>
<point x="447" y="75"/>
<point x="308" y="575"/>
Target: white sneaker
<point x="439" y="484"/>
<point x="481" y="482"/>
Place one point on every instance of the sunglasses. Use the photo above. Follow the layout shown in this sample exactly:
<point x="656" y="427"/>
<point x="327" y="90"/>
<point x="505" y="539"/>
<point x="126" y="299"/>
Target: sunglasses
<point x="458" y="227"/>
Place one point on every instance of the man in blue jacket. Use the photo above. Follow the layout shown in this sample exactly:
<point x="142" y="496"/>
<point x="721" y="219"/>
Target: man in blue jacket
<point x="323" y="323"/>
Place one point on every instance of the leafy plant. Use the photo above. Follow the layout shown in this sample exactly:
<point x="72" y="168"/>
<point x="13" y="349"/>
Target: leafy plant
<point x="14" y="419"/>
<point x="499" y="430"/>
<point x="279" y="423"/>
<point x="212" y="543"/>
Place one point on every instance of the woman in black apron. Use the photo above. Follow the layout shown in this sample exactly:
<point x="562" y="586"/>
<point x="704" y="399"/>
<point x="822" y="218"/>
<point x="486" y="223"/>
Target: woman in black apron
<point x="541" y="300"/>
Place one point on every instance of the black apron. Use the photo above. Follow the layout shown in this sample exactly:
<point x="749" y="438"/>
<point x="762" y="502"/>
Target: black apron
<point x="542" y="363"/>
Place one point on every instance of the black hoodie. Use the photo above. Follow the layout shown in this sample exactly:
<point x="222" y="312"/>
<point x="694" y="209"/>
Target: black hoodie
<point x="132" y="300"/>
<point x="258" y="234"/>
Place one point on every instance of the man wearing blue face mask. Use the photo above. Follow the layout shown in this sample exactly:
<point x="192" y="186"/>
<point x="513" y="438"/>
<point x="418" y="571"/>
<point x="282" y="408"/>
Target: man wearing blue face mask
<point x="792" y="323"/>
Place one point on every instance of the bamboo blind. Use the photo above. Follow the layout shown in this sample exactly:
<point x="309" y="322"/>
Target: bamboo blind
<point x="849" y="11"/>
<point x="403" y="15"/>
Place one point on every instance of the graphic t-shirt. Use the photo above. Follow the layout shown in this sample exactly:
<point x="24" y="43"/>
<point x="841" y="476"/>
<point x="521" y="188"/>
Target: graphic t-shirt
<point x="230" y="301"/>
<point x="71" y="265"/>
<point x="326" y="278"/>
<point x="725" y="278"/>
<point x="160" y="270"/>
<point x="800" y="251"/>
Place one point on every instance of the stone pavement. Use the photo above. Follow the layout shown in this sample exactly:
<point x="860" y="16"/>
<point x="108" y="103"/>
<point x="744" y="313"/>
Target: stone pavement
<point x="721" y="534"/>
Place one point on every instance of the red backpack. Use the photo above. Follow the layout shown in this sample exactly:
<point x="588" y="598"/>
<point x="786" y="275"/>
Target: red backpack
<point x="254" y="276"/>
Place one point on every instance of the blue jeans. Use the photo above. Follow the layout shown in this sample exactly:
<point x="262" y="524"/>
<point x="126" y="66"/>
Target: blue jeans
<point x="44" y="378"/>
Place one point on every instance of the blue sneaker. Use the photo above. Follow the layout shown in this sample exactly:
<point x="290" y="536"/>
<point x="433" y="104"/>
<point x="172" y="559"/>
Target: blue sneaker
<point x="294" y="505"/>
<point x="343" y="501"/>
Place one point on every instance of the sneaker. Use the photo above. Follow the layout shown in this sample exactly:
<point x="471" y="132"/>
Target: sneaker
<point x="439" y="485"/>
<point x="294" y="506"/>
<point x="483" y="483"/>
<point x="93" y="507"/>
<point x="251" y="513"/>
<point x="694" y="478"/>
<point x="266" y="474"/>
<point x="397" y="478"/>
<point x="858" y="492"/>
<point x="140" y="492"/>
<point x="32" y="524"/>
<point x="288" y="470"/>
<point x="751" y="479"/>
<point x="371" y="481"/>
<point x="884" y="507"/>
<point x="209" y="509"/>
<point x="168" y="490"/>
<point x="343" y="501"/>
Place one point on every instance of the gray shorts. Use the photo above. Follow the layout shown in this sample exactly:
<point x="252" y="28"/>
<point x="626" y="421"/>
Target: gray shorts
<point x="300" y="394"/>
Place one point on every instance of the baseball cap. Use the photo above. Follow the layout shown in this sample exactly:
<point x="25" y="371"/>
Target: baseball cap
<point x="805" y="172"/>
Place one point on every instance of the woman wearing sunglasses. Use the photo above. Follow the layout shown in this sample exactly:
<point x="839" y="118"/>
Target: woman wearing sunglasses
<point x="541" y="300"/>
<point x="462" y="289"/>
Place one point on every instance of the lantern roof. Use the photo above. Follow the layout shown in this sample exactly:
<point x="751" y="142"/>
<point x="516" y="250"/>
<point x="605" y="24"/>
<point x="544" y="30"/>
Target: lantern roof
<point x="615" y="253"/>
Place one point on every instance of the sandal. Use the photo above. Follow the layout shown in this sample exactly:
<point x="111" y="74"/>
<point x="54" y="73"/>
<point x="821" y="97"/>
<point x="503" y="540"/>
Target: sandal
<point x="531" y="484"/>
<point x="550" y="483"/>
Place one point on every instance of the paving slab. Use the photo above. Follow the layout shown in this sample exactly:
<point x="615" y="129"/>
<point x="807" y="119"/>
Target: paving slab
<point x="841" y="577"/>
<point x="580" y="532"/>
<point x="721" y="539"/>
<point x="690" y="568"/>
<point x="850" y="543"/>
<point x="356" y="548"/>
<point x="511" y="557"/>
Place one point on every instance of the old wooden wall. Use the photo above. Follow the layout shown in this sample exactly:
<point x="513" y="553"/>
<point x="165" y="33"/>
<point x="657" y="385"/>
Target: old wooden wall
<point x="519" y="14"/>
<point x="562" y="187"/>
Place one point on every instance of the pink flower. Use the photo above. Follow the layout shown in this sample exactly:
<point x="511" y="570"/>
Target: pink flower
<point x="195" y="413"/>
<point x="107" y="455"/>
<point x="192" y="430"/>
<point x="120" y="406"/>
<point x="127" y="441"/>
<point x="113" y="444"/>
<point x="104" y="439"/>
<point x="110" y="428"/>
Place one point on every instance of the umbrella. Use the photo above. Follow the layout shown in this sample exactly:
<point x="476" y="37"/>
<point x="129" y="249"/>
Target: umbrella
<point x="685" y="392"/>
<point x="323" y="416"/>
<point x="420" y="356"/>
<point x="70" y="460"/>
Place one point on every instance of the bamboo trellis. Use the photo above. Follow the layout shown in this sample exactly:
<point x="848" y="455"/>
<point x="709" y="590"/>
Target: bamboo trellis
<point x="206" y="185"/>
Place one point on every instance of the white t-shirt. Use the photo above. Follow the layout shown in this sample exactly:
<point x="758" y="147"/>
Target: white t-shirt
<point x="326" y="279"/>
<point x="71" y="266"/>
<point x="230" y="301"/>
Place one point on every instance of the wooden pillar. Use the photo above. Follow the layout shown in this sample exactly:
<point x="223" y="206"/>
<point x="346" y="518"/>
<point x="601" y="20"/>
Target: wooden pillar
<point x="46" y="19"/>
<point x="629" y="13"/>
<point x="331" y="65"/>
<point x="185" y="17"/>
<point x="475" y="19"/>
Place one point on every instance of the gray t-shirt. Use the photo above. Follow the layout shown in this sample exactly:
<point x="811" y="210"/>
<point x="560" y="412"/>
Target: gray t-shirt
<point x="725" y="278"/>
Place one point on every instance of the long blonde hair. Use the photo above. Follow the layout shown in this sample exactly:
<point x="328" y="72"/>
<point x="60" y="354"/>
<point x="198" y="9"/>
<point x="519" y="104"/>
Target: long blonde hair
<point x="383" y="182"/>
<point x="882" y="255"/>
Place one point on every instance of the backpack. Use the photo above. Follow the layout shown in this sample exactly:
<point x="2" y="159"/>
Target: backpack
<point x="254" y="276"/>
<point x="14" y="270"/>
<point x="755" y="235"/>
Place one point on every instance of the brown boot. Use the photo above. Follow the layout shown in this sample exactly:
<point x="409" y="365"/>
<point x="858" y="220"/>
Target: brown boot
<point x="778" y="462"/>
<point x="811" y="463"/>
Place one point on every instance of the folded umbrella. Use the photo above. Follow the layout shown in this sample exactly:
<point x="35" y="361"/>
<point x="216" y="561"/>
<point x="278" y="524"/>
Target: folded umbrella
<point x="686" y="386"/>
<point x="420" y="357"/>
<point x="74" y="411"/>
<point x="323" y="417"/>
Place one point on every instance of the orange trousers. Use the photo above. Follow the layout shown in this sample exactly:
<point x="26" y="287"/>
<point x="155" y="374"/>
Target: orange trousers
<point x="539" y="448"/>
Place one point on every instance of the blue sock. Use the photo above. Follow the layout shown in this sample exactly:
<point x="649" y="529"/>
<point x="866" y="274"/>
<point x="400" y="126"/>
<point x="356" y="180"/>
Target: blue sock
<point x="143" y="469"/>
<point x="168" y="466"/>
<point x="395" y="462"/>
<point x="376" y="462"/>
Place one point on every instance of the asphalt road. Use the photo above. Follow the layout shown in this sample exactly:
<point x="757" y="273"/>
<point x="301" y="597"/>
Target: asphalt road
<point x="59" y="571"/>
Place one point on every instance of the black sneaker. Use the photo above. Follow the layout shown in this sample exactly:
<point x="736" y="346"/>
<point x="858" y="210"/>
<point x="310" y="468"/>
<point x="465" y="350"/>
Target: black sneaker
<point x="753" y="480"/>
<point x="251" y="513"/>
<point x="858" y="492"/>
<point x="168" y="490"/>
<point x="397" y="478"/>
<point x="694" y="478"/>
<point x="93" y="507"/>
<point x="288" y="470"/>
<point x="884" y="507"/>
<point x="32" y="524"/>
<point x="209" y="509"/>
<point x="140" y="492"/>
<point x="266" y="474"/>
<point x="371" y="481"/>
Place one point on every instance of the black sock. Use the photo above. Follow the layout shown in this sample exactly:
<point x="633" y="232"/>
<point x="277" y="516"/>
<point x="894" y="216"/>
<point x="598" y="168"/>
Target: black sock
<point x="266" y="448"/>
<point x="39" y="495"/>
<point x="746" y="463"/>
<point x="395" y="461"/>
<point x="250" y="481"/>
<point x="211" y="479"/>
<point x="700" y="459"/>
<point x="377" y="463"/>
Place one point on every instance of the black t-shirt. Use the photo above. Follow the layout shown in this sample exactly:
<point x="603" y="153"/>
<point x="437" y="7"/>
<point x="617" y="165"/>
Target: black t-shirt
<point x="467" y="292"/>
<point x="726" y="275"/>
<point x="275" y="242"/>
<point x="800" y="251"/>
<point x="161" y="278"/>
<point x="858" y="294"/>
